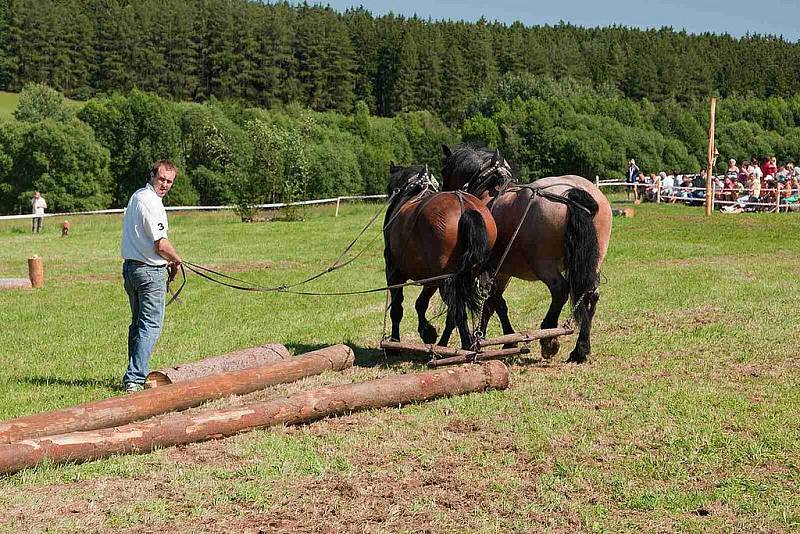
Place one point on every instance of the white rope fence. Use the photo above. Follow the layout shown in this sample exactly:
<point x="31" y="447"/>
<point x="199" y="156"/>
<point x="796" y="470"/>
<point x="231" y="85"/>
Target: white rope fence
<point x="336" y="200"/>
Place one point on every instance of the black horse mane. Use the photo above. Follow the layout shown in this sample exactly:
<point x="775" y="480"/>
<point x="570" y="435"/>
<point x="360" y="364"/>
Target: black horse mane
<point x="400" y="176"/>
<point x="468" y="162"/>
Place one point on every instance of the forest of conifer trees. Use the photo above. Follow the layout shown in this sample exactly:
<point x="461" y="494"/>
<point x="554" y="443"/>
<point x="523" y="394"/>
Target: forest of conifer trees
<point x="266" y="54"/>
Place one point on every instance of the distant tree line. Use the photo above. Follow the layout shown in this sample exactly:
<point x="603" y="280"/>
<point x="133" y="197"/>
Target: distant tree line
<point x="227" y="154"/>
<point x="268" y="54"/>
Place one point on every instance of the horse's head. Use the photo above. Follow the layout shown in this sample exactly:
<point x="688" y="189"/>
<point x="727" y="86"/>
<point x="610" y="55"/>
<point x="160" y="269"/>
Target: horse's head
<point x="411" y="179"/>
<point x="473" y="169"/>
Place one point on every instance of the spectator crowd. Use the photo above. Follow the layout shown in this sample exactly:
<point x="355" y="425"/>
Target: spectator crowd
<point x="745" y="187"/>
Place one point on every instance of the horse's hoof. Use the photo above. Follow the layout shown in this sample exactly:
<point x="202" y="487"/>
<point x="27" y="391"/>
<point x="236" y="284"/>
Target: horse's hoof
<point x="428" y="334"/>
<point x="577" y="357"/>
<point x="549" y="347"/>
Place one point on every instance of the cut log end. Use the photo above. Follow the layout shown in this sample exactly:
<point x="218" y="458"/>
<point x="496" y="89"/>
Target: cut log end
<point x="497" y="374"/>
<point x="156" y="379"/>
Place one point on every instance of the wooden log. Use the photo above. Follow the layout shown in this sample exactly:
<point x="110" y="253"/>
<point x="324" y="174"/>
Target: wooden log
<point x="420" y="348"/>
<point x="116" y="411"/>
<point x="526" y="337"/>
<point x="36" y="271"/>
<point x="232" y="361"/>
<point x="15" y="283"/>
<point x="479" y="356"/>
<point x="208" y="424"/>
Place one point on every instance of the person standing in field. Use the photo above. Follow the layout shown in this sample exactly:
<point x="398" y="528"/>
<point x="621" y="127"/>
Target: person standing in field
<point x="38" y="205"/>
<point x="633" y="178"/>
<point x="148" y="255"/>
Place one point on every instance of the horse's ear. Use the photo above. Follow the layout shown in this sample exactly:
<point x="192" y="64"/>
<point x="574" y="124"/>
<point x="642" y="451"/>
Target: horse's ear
<point x="392" y="166"/>
<point x="426" y="169"/>
<point x="446" y="150"/>
<point x="495" y="157"/>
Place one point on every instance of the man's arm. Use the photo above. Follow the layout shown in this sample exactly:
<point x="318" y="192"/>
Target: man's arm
<point x="165" y="249"/>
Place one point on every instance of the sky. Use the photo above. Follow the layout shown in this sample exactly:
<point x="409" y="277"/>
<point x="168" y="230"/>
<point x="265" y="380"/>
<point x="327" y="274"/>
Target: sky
<point x="735" y="17"/>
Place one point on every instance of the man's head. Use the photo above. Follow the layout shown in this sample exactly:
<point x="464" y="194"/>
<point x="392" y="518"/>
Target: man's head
<point x="162" y="175"/>
<point x="36" y="194"/>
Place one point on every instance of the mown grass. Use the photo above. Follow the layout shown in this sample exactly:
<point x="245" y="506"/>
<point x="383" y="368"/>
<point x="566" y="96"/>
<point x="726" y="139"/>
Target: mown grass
<point x="686" y="417"/>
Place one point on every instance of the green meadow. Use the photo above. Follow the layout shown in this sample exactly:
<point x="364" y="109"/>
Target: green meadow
<point x="686" y="417"/>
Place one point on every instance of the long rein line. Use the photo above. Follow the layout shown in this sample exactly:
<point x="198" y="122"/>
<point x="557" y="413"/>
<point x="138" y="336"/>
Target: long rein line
<point x="244" y="285"/>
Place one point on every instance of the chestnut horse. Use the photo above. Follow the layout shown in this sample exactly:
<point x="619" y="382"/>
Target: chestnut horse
<point x="566" y="230"/>
<point x="428" y="234"/>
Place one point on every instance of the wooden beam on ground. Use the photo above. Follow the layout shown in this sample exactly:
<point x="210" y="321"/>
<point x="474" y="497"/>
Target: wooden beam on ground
<point x="116" y="411"/>
<point x="233" y="361"/>
<point x="15" y="283"/>
<point x="420" y="348"/>
<point x="208" y="424"/>
<point x="526" y="337"/>
<point x="479" y="356"/>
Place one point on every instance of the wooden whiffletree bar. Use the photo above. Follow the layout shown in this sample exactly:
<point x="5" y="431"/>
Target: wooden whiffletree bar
<point x="449" y="356"/>
<point x="526" y="337"/>
<point x="210" y="424"/>
<point x="116" y="411"/>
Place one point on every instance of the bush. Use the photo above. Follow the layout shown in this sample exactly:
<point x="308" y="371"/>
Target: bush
<point x="62" y="160"/>
<point x="138" y="130"/>
<point x="38" y="102"/>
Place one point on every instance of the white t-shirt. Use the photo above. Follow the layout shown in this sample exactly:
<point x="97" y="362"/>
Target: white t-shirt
<point x="145" y="223"/>
<point x="39" y="205"/>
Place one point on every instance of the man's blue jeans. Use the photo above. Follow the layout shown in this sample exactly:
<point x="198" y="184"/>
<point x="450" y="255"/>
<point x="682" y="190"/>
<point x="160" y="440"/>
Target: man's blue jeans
<point x="147" y="288"/>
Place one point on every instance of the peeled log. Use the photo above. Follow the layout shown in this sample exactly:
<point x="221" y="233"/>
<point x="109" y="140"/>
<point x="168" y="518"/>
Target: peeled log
<point x="15" y="283"/>
<point x="116" y="411"/>
<point x="233" y="361"/>
<point x="208" y="424"/>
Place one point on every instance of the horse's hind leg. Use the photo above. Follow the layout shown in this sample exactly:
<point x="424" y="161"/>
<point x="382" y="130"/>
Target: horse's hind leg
<point x="396" y="312"/>
<point x="449" y="325"/>
<point x="426" y="330"/>
<point x="583" y="347"/>
<point x="559" y="293"/>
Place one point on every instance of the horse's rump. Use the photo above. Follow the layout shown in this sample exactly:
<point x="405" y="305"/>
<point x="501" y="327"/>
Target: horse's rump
<point x="538" y="248"/>
<point x="423" y="238"/>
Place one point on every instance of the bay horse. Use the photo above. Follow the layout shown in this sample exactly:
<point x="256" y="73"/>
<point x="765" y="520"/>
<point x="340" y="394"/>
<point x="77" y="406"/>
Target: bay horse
<point x="427" y="234"/>
<point x="566" y="230"/>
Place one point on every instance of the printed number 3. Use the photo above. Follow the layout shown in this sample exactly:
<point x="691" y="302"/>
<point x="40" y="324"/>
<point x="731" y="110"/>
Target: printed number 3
<point x="160" y="226"/>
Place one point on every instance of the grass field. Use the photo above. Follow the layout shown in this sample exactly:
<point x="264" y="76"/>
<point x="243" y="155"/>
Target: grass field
<point x="686" y="418"/>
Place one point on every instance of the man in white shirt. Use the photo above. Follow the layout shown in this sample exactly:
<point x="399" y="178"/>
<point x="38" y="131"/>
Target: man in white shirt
<point x="148" y="255"/>
<point x="38" y="204"/>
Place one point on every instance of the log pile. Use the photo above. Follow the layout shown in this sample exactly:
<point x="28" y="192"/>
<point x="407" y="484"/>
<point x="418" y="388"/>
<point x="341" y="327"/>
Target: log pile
<point x="179" y="396"/>
<point x="126" y="424"/>
<point x="216" y="423"/>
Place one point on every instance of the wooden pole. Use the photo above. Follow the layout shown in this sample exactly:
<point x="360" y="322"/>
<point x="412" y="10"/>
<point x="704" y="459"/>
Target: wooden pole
<point x="526" y="337"/>
<point x="658" y="191"/>
<point x="305" y="407"/>
<point x="233" y="361"/>
<point x="710" y="169"/>
<point x="338" y="201"/>
<point x="36" y="271"/>
<point x="180" y="396"/>
<point x="479" y="356"/>
<point x="417" y="348"/>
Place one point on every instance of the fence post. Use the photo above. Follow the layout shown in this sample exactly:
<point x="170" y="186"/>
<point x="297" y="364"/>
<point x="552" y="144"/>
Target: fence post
<point x="658" y="191"/>
<point x="338" y="200"/>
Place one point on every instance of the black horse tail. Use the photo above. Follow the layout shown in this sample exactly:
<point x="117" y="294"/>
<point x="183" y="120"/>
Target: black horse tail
<point x="581" y="250"/>
<point x="460" y="292"/>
